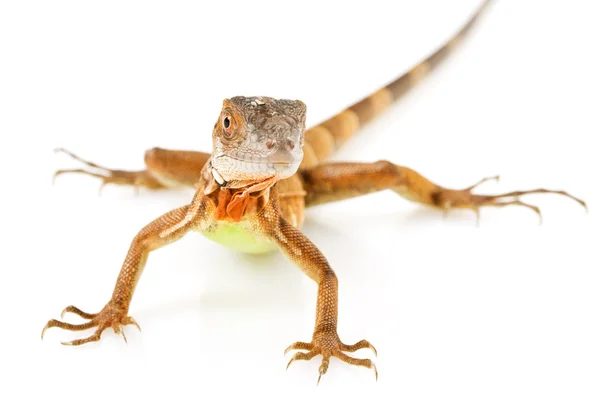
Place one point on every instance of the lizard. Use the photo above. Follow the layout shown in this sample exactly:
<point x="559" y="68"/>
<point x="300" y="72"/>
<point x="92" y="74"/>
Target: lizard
<point x="251" y="192"/>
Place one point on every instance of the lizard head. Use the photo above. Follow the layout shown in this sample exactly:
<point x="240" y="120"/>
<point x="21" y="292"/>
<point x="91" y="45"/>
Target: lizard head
<point x="258" y="138"/>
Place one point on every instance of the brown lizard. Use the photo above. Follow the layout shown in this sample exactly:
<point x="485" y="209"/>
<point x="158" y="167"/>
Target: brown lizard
<point x="251" y="192"/>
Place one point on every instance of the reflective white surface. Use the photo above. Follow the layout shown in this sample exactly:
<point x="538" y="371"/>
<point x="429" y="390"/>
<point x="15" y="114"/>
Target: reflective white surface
<point x="506" y="310"/>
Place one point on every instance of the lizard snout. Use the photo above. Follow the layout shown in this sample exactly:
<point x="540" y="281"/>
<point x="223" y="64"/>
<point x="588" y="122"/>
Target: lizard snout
<point x="282" y="155"/>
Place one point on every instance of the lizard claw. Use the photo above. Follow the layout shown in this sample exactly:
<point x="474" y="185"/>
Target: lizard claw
<point x="134" y="323"/>
<point x="301" y="356"/>
<point x="322" y="371"/>
<point x="76" y="311"/>
<point x="329" y="346"/>
<point x="363" y="344"/>
<point x="110" y="316"/>
<point x="123" y="334"/>
<point x="298" y="346"/>
<point x="448" y="199"/>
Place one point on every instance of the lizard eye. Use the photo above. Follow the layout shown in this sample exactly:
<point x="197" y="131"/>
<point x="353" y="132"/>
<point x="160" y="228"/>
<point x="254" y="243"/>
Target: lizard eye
<point x="228" y="127"/>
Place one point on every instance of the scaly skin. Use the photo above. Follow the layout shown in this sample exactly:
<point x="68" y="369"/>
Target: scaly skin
<point x="265" y="169"/>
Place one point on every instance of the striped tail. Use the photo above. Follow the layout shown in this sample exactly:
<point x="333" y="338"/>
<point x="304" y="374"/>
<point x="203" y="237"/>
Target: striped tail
<point x="322" y="140"/>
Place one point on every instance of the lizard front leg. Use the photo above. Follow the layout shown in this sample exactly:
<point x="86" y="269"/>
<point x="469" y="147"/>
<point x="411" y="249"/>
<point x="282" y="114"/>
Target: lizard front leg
<point x="162" y="231"/>
<point x="302" y="252"/>
<point x="337" y="181"/>
<point x="164" y="169"/>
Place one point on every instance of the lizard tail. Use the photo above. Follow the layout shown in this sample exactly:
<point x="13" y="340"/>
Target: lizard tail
<point x="322" y="140"/>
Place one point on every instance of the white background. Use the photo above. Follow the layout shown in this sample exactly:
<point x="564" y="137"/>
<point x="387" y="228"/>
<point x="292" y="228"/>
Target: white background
<point x="506" y="310"/>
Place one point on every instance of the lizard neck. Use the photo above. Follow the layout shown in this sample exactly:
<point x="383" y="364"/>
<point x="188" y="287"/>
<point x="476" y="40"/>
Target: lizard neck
<point x="235" y="200"/>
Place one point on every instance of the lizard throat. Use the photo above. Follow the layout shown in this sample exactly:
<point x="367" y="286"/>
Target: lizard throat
<point x="236" y="198"/>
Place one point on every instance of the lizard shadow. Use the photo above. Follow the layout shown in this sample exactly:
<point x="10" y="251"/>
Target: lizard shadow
<point x="243" y="281"/>
<point x="229" y="301"/>
<point x="403" y="220"/>
<point x="429" y="217"/>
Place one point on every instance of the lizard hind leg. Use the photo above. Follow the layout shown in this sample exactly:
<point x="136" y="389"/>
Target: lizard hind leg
<point x="513" y="198"/>
<point x="329" y="182"/>
<point x="448" y="199"/>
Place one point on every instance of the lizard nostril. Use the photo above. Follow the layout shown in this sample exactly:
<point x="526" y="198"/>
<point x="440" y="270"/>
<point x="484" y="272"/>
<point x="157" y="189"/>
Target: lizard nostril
<point x="290" y="144"/>
<point x="270" y="144"/>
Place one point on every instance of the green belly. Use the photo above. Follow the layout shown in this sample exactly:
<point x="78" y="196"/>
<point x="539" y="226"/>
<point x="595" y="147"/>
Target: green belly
<point x="238" y="237"/>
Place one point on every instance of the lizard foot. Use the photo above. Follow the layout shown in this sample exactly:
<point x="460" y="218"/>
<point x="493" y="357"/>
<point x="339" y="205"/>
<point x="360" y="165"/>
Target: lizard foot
<point x="329" y="345"/>
<point x="109" y="317"/>
<point x="448" y="199"/>
<point x="114" y="176"/>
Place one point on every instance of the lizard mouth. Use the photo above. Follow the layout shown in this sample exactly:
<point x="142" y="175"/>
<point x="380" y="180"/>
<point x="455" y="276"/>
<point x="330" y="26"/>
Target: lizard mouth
<point x="280" y="156"/>
<point x="261" y="166"/>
